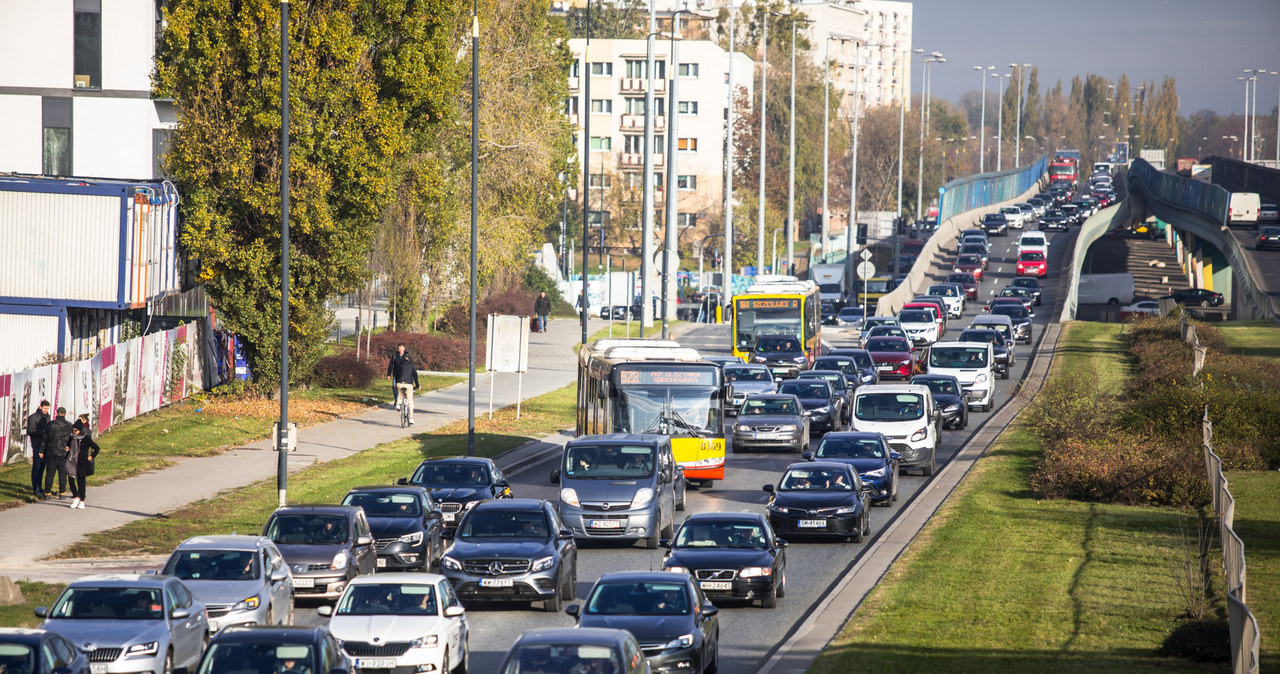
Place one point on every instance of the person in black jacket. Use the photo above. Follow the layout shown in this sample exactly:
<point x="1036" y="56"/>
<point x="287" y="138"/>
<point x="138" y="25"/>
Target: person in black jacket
<point x="37" y="424"/>
<point x="81" y="452"/>
<point x="56" y="439"/>
<point x="404" y="378"/>
<point x="542" y="307"/>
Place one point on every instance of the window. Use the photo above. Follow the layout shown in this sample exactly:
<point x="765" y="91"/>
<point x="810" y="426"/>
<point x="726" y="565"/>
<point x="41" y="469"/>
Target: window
<point x="686" y="220"/>
<point x="687" y="182"/>
<point x="635" y="105"/>
<point x="633" y="144"/>
<point x="688" y="70"/>
<point x="601" y="143"/>
<point x="573" y="68"/>
<point x="571" y="105"/>
<point x="687" y="107"/>
<point x="602" y="68"/>
<point x="56" y="146"/>
<point x="635" y="67"/>
<point x="657" y="180"/>
<point x="602" y="105"/>
<point x="161" y="141"/>
<point x="687" y="145"/>
<point x="600" y="180"/>
<point x="659" y="143"/>
<point x="88" y="44"/>
<point x="726" y="78"/>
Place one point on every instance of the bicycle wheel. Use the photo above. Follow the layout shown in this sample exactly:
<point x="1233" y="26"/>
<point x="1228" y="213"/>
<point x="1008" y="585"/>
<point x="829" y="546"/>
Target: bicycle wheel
<point x="404" y="412"/>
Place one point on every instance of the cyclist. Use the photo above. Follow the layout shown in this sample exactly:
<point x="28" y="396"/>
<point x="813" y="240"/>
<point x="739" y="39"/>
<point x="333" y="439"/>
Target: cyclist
<point x="404" y="378"/>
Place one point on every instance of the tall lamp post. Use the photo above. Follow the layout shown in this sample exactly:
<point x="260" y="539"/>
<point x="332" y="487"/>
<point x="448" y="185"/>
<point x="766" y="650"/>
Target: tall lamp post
<point x="726" y="262"/>
<point x="982" y="135"/>
<point x="646" y="227"/>
<point x="672" y="200"/>
<point x="853" y="158"/>
<point x="475" y="242"/>
<point x="934" y="57"/>
<point x="282" y="433"/>
<point x="1000" y="79"/>
<point x="1017" y="142"/>
<point x="764" y="109"/>
<point x="586" y="169"/>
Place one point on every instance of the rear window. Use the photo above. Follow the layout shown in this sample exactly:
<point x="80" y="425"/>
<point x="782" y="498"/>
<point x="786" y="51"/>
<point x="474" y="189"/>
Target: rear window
<point x="969" y="260"/>
<point x="914" y="316"/>
<point x="887" y="344"/>
<point x="1031" y="256"/>
<point x="1010" y="310"/>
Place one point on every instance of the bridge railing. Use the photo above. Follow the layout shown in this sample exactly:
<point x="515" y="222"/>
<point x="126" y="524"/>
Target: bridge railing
<point x="1204" y="198"/>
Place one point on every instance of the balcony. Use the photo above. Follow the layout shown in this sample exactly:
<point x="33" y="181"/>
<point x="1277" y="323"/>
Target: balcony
<point x="635" y="85"/>
<point x="573" y="83"/>
<point x="635" y="123"/>
<point x="635" y="160"/>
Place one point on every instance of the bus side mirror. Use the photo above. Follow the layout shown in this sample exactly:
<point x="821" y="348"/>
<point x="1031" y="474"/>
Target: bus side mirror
<point x="601" y="393"/>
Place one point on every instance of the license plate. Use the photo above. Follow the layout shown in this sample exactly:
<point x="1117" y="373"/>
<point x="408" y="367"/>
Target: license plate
<point x="304" y="582"/>
<point x="605" y="524"/>
<point x="780" y="370"/>
<point x="382" y="562"/>
<point x="885" y="368"/>
<point x="447" y="517"/>
<point x="375" y="663"/>
<point x="812" y="524"/>
<point x="715" y="585"/>
<point x="98" y="669"/>
<point x="496" y="582"/>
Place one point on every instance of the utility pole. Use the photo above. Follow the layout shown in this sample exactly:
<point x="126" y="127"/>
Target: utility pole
<point x="1017" y="144"/>
<point x="1000" y="122"/>
<point x="726" y="262"/>
<point x="791" y="159"/>
<point x="646" y="227"/>
<point x="282" y="434"/>
<point x="670" y="248"/>
<point x="475" y="217"/>
<point x="764" y="109"/>
<point x="982" y="125"/>
<point x="586" y="168"/>
<point x="826" y="136"/>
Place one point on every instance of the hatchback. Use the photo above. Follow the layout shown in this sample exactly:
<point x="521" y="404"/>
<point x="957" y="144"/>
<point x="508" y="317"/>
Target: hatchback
<point x="242" y="580"/>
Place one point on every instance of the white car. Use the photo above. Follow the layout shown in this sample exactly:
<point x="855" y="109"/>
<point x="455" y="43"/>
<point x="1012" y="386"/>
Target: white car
<point x="972" y="363"/>
<point x="952" y="295"/>
<point x="401" y="621"/>
<point x="1012" y="215"/>
<point x="1140" y="308"/>
<point x="908" y="418"/>
<point x="920" y="326"/>
<point x="1033" y="241"/>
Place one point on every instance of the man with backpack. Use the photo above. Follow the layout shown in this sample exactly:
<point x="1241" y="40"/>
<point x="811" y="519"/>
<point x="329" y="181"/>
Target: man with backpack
<point x="56" y="439"/>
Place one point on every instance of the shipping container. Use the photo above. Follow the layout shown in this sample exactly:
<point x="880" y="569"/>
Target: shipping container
<point x="29" y="333"/>
<point x="90" y="243"/>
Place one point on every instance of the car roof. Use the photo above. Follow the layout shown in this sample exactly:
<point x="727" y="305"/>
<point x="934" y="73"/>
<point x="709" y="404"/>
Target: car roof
<point x="771" y="396"/>
<point x="986" y="319"/>
<point x="586" y="636"/>
<point x="892" y="388"/>
<point x="459" y="459"/>
<point x="852" y="435"/>
<point x="318" y="508"/>
<point x="226" y="542"/>
<point x="23" y="635"/>
<point x="389" y="489"/>
<point x="935" y="377"/>
<point x="955" y="343"/>
<point x="825" y="465"/>
<point x="725" y="516"/>
<point x="261" y="634"/>
<point x="396" y="577"/>
<point x="641" y="576"/>
<point x="525" y="504"/>
<point x="121" y="580"/>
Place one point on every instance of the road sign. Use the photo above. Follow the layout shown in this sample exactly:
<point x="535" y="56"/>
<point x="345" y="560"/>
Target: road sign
<point x="865" y="254"/>
<point x="866" y="270"/>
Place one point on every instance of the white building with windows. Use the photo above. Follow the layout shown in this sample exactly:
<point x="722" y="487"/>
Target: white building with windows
<point x="75" y="89"/>
<point x="616" y="146"/>
<point x="870" y="47"/>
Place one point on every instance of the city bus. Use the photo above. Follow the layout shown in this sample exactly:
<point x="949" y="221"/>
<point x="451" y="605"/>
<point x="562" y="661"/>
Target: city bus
<point x="656" y="386"/>
<point x="790" y="308"/>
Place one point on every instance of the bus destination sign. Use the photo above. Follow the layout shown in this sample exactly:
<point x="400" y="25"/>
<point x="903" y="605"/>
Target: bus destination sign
<point x="704" y="376"/>
<point x="749" y="304"/>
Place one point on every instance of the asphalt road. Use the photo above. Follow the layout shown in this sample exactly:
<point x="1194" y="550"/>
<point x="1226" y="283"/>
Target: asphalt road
<point x="748" y="634"/>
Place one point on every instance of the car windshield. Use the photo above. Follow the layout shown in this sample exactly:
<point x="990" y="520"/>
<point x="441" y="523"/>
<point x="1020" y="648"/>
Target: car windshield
<point x="887" y="344"/>
<point x="939" y="386"/>
<point x="850" y="313"/>
<point x="1014" y="292"/>
<point x="608" y="462"/>
<point x="307" y="529"/>
<point x="962" y="279"/>
<point x="259" y="658"/>
<point x="497" y="523"/>
<point x="17" y="659"/>
<point x="639" y="598"/>
<point x="989" y="336"/>
<point x="777" y="345"/>
<point x="1010" y="310"/>
<point x="805" y="389"/>
<point x="747" y="374"/>
<point x="451" y="474"/>
<point x="385" y="505"/>
<point x="543" y="658"/>
<point x="1028" y="283"/>
<point x="958" y="356"/>
<point x="836" y="380"/>
<point x="873" y="406"/>
<point x="845" y="365"/>
<point x="969" y="261"/>
<point x="816" y="479"/>
<point x="721" y="534"/>
<point x="943" y="291"/>
<point x="850" y="448"/>
<point x="109" y="603"/>
<point x="1031" y="256"/>
<point x="914" y="316"/>
<point x="782" y="406"/>
<point x="213" y="565"/>
<point x="878" y="321"/>
<point x="388" y="599"/>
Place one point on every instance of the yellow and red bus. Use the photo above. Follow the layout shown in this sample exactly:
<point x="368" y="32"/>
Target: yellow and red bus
<point x="656" y="386"/>
<point x="790" y="308"/>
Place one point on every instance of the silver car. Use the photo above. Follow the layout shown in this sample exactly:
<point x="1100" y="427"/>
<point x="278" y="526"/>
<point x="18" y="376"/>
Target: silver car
<point x="130" y="623"/>
<point x="242" y="580"/>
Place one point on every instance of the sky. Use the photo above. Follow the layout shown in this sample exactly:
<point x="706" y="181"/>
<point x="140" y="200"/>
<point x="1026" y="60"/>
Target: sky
<point x="1204" y="44"/>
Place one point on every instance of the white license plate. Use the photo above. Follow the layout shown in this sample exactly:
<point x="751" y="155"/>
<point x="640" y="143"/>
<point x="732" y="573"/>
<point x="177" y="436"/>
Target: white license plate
<point x="496" y="582"/>
<point x="715" y="585"/>
<point x="382" y="562"/>
<point x="886" y="368"/>
<point x="605" y="524"/>
<point x="304" y="582"/>
<point x="812" y="524"/>
<point x="447" y="517"/>
<point x="781" y="370"/>
<point x="375" y="663"/>
<point x="98" y="669"/>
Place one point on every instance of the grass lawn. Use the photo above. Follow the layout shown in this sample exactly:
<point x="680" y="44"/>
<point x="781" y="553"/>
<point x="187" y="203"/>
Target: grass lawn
<point x="1257" y="522"/>
<point x="620" y="329"/>
<point x="1260" y="339"/>
<point x="1001" y="581"/>
<point x="36" y="594"/>
<point x="244" y="510"/>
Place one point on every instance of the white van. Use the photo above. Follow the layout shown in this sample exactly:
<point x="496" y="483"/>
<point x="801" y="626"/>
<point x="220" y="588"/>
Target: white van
<point x="1033" y="241"/>
<point x="972" y="363"/>
<point x="1114" y="289"/>
<point x="908" y="418"/>
<point x="1243" y="209"/>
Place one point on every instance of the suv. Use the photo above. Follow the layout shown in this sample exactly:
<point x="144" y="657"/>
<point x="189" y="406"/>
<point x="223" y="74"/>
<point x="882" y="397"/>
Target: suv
<point x="907" y="416"/>
<point x="325" y="546"/>
<point x="405" y="524"/>
<point x="971" y="363"/>
<point x="620" y="487"/>
<point x="457" y="484"/>
<point x="242" y="580"/>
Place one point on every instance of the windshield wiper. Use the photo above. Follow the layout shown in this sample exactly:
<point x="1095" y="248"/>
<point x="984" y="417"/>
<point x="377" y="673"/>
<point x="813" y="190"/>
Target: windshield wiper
<point x="689" y="427"/>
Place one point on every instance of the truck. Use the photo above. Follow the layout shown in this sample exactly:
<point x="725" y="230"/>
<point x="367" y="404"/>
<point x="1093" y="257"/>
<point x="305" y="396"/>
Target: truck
<point x="833" y="286"/>
<point x="1113" y="289"/>
<point x="1065" y="166"/>
<point x="1155" y="157"/>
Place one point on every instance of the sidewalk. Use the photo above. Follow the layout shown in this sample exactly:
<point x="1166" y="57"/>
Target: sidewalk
<point x="35" y="531"/>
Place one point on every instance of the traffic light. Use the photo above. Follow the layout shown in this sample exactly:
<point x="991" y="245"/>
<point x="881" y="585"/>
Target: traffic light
<point x="862" y="233"/>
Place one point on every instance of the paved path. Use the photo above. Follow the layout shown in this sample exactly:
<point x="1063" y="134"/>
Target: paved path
<point x="38" y="530"/>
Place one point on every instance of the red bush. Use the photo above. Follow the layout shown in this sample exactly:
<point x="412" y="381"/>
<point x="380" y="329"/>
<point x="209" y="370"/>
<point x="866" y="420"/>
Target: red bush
<point x="1138" y="469"/>
<point x="429" y="352"/>
<point x="456" y="319"/>
<point x="343" y="370"/>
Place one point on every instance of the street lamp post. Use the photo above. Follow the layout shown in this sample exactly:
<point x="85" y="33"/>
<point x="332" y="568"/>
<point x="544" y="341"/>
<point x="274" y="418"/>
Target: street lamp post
<point x="852" y="226"/>
<point x="670" y="247"/>
<point x="934" y="57"/>
<point x="282" y="434"/>
<point x="982" y="135"/>
<point x="475" y="218"/>
<point x="647" y="224"/>
<point x="1244" y="150"/>
<point x="826" y="139"/>
<point x="1017" y="143"/>
<point x="999" y="78"/>
<point x="764" y="108"/>
<point x="791" y="155"/>
<point x="586" y="168"/>
<point x="726" y="264"/>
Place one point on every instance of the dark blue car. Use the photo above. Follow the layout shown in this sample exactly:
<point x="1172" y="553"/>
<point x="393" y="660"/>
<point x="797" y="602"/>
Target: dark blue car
<point x="869" y="454"/>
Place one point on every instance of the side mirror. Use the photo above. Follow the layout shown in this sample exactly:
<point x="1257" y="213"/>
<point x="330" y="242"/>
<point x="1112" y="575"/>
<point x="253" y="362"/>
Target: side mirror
<point x="807" y="456"/>
<point x="364" y="540"/>
<point x="432" y="515"/>
<point x="447" y="533"/>
<point x="454" y="612"/>
<point x="565" y="535"/>
<point x="768" y="488"/>
<point x="42" y="611"/>
<point x="780" y="542"/>
<point x="555" y="476"/>
<point x="402" y="481"/>
<point x="895" y="456"/>
<point x="179" y="614"/>
<point x="573" y="610"/>
<point x="664" y="543"/>
<point x="279" y="575"/>
<point x="324" y="610"/>
<point x="709" y="609"/>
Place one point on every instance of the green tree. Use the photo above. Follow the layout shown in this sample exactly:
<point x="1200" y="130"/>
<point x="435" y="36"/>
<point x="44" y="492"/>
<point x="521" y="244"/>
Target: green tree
<point x="1031" y="106"/>
<point x="616" y="19"/>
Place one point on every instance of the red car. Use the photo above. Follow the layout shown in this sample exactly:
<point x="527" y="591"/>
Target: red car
<point x="971" y="264"/>
<point x="1032" y="263"/>
<point x="968" y="281"/>
<point x="891" y="355"/>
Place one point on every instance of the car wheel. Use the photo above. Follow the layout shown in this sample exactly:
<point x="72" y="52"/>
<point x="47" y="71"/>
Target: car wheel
<point x="289" y="620"/>
<point x="867" y="523"/>
<point x="782" y="583"/>
<point x="770" y="600"/>
<point x="857" y="537"/>
<point x="714" y="667"/>
<point x="684" y="498"/>
<point x="168" y="662"/>
<point x="1204" y="303"/>
<point x="894" y="492"/>
<point x="932" y="466"/>
<point x="555" y="604"/>
<point x="571" y="592"/>
<point x="651" y="543"/>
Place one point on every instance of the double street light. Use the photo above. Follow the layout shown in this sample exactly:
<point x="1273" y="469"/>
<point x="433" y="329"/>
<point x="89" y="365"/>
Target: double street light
<point x="982" y="140"/>
<point x="934" y="57"/>
<point x="1017" y="144"/>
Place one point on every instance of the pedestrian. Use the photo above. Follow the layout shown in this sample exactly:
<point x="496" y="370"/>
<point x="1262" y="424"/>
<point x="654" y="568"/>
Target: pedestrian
<point x="81" y="453"/>
<point x="404" y="377"/>
<point x="37" y="425"/>
<point x="542" y="307"/>
<point x="56" y="439"/>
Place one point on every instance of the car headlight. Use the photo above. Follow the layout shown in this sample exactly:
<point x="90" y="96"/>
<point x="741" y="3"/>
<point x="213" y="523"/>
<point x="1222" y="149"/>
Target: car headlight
<point x="798" y="359"/>
<point x="920" y="434"/>
<point x="952" y="408"/>
<point x="761" y="359"/>
<point x="469" y="505"/>
<point x="569" y="496"/>
<point x="412" y="539"/>
<point x="879" y="472"/>
<point x="429" y="641"/>
<point x="788" y="427"/>
<point x="821" y="410"/>
<point x="247" y="604"/>
<point x="756" y="572"/>
<point x="981" y="378"/>
<point x="682" y="641"/>
<point x="868" y="377"/>
<point x="450" y="563"/>
<point x="542" y="564"/>
<point x="677" y="569"/>
<point x="744" y="428"/>
<point x="149" y="648"/>
<point x="643" y="496"/>
<point x="340" y="560"/>
<point x="846" y="510"/>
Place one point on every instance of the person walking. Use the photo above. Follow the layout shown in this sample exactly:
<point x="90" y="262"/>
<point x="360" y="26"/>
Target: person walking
<point x="81" y="452"/>
<point x="37" y="425"/>
<point x="404" y="377"/>
<point x="542" y="307"/>
<point x="56" y="439"/>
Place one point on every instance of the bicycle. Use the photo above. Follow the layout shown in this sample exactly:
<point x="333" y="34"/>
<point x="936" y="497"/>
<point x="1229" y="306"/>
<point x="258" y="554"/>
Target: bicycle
<point x="406" y="407"/>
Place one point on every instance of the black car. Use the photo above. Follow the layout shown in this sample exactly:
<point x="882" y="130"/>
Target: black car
<point x="561" y="649"/>
<point x="513" y="550"/>
<point x="458" y="484"/>
<point x="1268" y="237"/>
<point x="822" y="403"/>
<point x="1031" y="284"/>
<point x="1197" y="297"/>
<point x="782" y="353"/>
<point x="1055" y="220"/>
<point x="844" y="390"/>
<point x="1004" y="357"/>
<point x="1075" y="215"/>
<point x="1021" y="320"/>
<point x="405" y="523"/>
<point x="730" y="556"/>
<point x="995" y="224"/>
<point x="669" y="615"/>
<point x="857" y="371"/>
<point x="272" y="649"/>
<point x="32" y="651"/>
<point x="870" y="456"/>
<point x="820" y="498"/>
<point x="949" y="397"/>
<point x="828" y="312"/>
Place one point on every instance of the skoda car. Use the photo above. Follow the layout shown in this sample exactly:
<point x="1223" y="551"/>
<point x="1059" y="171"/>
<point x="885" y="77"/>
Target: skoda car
<point x="819" y="498"/>
<point x="242" y="580"/>
<point x="405" y="524"/>
<point x="28" y="651"/>
<point x="731" y="556"/>
<point x="324" y="545"/>
<point x="457" y="484"/>
<point x="266" y="650"/>
<point x="410" y="622"/>
<point x="870" y="456"/>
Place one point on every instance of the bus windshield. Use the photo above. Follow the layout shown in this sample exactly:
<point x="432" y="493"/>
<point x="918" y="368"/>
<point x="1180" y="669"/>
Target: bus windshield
<point x="687" y="411"/>
<point x="754" y="320"/>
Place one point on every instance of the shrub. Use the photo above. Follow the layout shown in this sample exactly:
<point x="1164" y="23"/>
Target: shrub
<point x="1070" y="407"/>
<point x="457" y="319"/>
<point x="429" y="352"/>
<point x="1132" y="468"/>
<point x="1206" y="640"/>
<point x="536" y="279"/>
<point x="343" y="370"/>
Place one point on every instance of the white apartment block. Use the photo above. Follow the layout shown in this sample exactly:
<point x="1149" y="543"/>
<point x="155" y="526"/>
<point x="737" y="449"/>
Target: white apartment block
<point x="617" y="72"/>
<point x="75" y="89"/>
